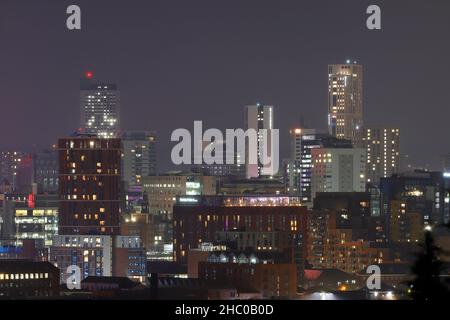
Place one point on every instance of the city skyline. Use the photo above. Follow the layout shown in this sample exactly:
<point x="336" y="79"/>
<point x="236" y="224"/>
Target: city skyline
<point x="157" y="83"/>
<point x="224" y="151"/>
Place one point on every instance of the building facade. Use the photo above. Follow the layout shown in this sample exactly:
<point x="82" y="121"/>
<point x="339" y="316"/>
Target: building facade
<point x="99" y="255"/>
<point x="99" y="108"/>
<point x="424" y="192"/>
<point x="9" y="167"/>
<point x="21" y="279"/>
<point x="162" y="190"/>
<point x="338" y="170"/>
<point x="303" y="141"/>
<point x="259" y="117"/>
<point x="345" y="102"/>
<point x="89" y="185"/>
<point x="37" y="219"/>
<point x="383" y="152"/>
<point x="203" y="219"/>
<point x="139" y="156"/>
<point x="45" y="171"/>
<point x="268" y="276"/>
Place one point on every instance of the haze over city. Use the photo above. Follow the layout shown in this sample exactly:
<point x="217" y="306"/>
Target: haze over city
<point x="177" y="61"/>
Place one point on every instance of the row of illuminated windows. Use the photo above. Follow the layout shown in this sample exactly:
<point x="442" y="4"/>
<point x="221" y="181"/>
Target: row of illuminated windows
<point x="36" y="212"/>
<point x="83" y="197"/>
<point x="99" y="171"/>
<point x="23" y="276"/>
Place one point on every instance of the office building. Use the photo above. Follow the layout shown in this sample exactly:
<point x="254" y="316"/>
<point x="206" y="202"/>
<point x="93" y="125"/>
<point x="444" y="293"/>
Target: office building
<point x="129" y="258"/>
<point x="200" y="219"/>
<point x="28" y="249"/>
<point x="344" y="240"/>
<point x="302" y="142"/>
<point x="404" y="225"/>
<point x="37" y="219"/>
<point x="291" y="176"/>
<point x="45" y="171"/>
<point x="92" y="253"/>
<point x="163" y="189"/>
<point x="100" y="255"/>
<point x="24" y="182"/>
<point x="383" y="152"/>
<point x="99" y="108"/>
<point x="345" y="102"/>
<point x="8" y="204"/>
<point x="338" y="170"/>
<point x="89" y="184"/>
<point x="22" y="279"/>
<point x="154" y="232"/>
<point x="420" y="191"/>
<point x="272" y="275"/>
<point x="9" y="167"/>
<point x="139" y="156"/>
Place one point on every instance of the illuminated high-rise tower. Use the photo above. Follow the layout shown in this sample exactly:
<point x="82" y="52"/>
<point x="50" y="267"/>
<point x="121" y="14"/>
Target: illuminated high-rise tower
<point x="345" y="101"/>
<point x="100" y="108"/>
<point x="89" y="185"/>
<point x="139" y="156"/>
<point x="259" y="117"/>
<point x="383" y="152"/>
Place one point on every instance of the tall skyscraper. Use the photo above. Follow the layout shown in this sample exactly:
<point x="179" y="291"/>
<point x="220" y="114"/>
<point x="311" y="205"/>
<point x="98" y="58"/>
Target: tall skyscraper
<point x="345" y="101"/>
<point x="139" y="156"/>
<point x="100" y="108"/>
<point x="259" y="117"/>
<point x="89" y="211"/>
<point x="383" y="153"/>
<point x="89" y="185"/>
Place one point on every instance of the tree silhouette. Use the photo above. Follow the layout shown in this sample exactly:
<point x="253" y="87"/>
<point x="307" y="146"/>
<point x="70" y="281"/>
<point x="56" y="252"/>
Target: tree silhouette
<point x="427" y="286"/>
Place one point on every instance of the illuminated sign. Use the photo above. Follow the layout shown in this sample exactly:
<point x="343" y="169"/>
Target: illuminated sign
<point x="188" y="200"/>
<point x="31" y="201"/>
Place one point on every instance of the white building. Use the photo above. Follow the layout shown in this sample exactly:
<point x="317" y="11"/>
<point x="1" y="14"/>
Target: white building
<point x="101" y="256"/>
<point x="99" y="108"/>
<point x="93" y="254"/>
<point x="259" y="117"/>
<point x="338" y="170"/>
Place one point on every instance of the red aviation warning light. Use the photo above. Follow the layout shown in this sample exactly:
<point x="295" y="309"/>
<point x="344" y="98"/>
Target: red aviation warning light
<point x="89" y="74"/>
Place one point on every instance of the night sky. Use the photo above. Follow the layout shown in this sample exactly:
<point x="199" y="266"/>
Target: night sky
<point x="180" y="61"/>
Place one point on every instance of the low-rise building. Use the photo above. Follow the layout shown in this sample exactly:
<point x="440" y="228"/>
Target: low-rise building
<point x="22" y="279"/>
